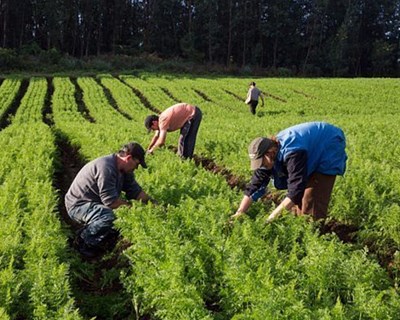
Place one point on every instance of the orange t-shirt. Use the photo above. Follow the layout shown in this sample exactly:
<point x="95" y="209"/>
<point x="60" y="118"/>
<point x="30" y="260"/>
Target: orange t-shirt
<point x="175" y="117"/>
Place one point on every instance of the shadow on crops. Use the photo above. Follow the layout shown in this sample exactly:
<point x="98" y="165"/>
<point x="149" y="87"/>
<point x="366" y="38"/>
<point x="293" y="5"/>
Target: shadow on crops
<point x="203" y="95"/>
<point x="268" y="113"/>
<point x="79" y="101"/>
<point x="47" y="115"/>
<point x="234" y="95"/>
<point x="143" y="98"/>
<point x="304" y="94"/>
<point x="169" y="94"/>
<point x="112" y="101"/>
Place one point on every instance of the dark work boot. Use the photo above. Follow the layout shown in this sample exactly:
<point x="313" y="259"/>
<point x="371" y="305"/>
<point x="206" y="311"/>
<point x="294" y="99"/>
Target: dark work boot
<point x="86" y="250"/>
<point x="109" y="242"/>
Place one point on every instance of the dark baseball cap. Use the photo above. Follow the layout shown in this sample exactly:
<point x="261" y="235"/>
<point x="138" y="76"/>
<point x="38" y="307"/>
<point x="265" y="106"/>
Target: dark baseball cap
<point x="136" y="151"/>
<point x="149" y="121"/>
<point x="257" y="148"/>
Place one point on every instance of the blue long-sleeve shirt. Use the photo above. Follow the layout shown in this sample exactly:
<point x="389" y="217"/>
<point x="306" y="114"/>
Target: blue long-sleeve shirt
<point x="303" y="150"/>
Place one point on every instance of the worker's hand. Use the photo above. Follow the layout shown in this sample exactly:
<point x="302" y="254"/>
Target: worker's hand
<point x="235" y="216"/>
<point x="153" y="201"/>
<point x="268" y="220"/>
<point x="273" y="215"/>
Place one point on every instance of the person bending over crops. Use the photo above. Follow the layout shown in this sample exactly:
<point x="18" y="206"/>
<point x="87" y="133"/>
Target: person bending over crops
<point x="252" y="97"/>
<point x="304" y="159"/>
<point x="182" y="116"/>
<point x="96" y="191"/>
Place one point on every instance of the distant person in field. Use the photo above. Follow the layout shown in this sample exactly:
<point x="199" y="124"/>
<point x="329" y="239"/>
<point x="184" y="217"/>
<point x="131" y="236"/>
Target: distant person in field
<point x="252" y="97"/>
<point x="181" y="116"/>
<point x="96" y="191"/>
<point x="304" y="159"/>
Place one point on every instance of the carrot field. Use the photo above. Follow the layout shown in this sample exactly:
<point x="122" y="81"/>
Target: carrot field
<point x="181" y="259"/>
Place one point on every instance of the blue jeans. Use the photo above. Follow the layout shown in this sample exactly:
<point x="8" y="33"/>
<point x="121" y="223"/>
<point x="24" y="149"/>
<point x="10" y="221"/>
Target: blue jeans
<point x="97" y="221"/>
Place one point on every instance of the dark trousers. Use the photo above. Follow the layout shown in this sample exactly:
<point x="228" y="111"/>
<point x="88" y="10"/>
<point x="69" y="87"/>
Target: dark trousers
<point x="187" y="139"/>
<point x="253" y="105"/>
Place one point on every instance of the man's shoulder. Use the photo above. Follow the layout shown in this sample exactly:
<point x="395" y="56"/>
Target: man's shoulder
<point x="104" y="159"/>
<point x="104" y="162"/>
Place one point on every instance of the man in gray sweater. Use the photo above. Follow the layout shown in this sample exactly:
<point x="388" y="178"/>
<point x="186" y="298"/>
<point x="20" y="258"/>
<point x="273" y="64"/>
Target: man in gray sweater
<point x="96" y="191"/>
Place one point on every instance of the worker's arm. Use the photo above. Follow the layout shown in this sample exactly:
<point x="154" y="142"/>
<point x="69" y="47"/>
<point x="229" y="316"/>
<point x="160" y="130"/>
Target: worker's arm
<point x="160" y="141"/>
<point x="296" y="164"/>
<point x="244" y="205"/>
<point x="134" y="191"/>
<point x="285" y="204"/>
<point x="118" y="203"/>
<point x="145" y="198"/>
<point x="153" y="140"/>
<point x="254" y="190"/>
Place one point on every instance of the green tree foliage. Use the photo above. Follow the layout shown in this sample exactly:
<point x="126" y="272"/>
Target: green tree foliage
<point x="316" y="37"/>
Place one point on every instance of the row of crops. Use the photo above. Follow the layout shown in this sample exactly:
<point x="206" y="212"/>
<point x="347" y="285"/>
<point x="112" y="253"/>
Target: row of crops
<point x="184" y="261"/>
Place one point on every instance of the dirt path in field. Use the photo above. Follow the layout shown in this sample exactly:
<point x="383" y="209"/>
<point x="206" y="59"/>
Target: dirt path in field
<point x="303" y="94"/>
<point x="5" y="119"/>
<point x="96" y="285"/>
<point x="47" y="112"/>
<point x="274" y="97"/>
<point x="203" y="95"/>
<point x="143" y="98"/>
<point x="169" y="94"/>
<point x="346" y="233"/>
<point x="112" y="101"/>
<point x="234" y="95"/>
<point x="70" y="164"/>
<point x="210" y="165"/>
<point x="79" y="101"/>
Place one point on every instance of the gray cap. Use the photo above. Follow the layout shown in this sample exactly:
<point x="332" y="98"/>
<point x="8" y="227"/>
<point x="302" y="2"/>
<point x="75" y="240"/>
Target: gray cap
<point x="257" y="148"/>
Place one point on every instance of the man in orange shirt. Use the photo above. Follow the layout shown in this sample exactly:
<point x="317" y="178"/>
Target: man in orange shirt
<point x="182" y="116"/>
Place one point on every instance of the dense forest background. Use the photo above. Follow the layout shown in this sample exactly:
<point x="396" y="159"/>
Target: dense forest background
<point x="294" y="37"/>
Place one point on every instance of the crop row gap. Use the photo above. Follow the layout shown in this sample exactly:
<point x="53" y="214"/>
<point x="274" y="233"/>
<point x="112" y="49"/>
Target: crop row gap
<point x="112" y="101"/>
<point x="78" y="93"/>
<point x="87" y="289"/>
<point x="5" y="118"/>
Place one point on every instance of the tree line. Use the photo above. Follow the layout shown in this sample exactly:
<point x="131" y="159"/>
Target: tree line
<point x="318" y="37"/>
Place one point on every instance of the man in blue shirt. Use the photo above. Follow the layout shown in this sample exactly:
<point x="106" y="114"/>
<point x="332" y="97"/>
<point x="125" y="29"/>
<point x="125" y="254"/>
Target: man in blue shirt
<point x="304" y="159"/>
<point x="96" y="191"/>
